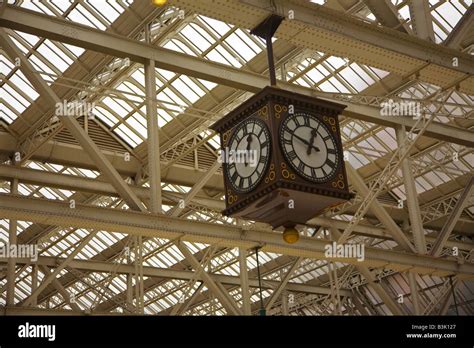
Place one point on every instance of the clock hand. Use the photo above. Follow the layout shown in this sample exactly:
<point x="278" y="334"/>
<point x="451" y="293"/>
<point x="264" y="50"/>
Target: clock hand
<point x="249" y="140"/>
<point x="311" y="141"/>
<point x="306" y="142"/>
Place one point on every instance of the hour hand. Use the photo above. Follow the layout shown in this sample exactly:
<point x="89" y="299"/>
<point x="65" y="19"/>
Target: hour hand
<point x="304" y="141"/>
<point x="311" y="141"/>
<point x="249" y="140"/>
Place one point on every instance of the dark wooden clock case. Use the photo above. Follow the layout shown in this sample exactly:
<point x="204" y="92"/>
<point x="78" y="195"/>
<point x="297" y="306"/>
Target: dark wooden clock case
<point x="282" y="197"/>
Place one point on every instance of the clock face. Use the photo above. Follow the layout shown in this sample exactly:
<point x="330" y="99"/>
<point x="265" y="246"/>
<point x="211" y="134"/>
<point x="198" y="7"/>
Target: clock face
<point x="309" y="147"/>
<point x="249" y="147"/>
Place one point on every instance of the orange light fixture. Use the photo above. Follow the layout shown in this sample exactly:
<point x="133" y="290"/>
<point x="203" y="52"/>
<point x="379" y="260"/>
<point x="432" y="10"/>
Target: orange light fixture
<point x="291" y="235"/>
<point x="159" y="3"/>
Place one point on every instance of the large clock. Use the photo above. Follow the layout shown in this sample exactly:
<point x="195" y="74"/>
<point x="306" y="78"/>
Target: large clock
<point x="298" y="171"/>
<point x="250" y="149"/>
<point x="309" y="147"/>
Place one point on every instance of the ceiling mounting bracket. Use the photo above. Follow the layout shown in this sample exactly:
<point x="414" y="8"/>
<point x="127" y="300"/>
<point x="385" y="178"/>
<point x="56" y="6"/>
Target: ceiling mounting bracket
<point x="265" y="30"/>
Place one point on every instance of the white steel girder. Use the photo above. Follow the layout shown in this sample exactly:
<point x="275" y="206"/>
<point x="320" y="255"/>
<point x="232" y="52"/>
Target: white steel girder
<point x="82" y="36"/>
<point x="137" y="223"/>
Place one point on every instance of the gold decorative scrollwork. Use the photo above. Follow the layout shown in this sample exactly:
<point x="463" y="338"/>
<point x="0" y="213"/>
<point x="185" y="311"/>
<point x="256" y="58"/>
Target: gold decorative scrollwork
<point x="231" y="198"/>
<point x="225" y="136"/>
<point x="279" y="109"/>
<point x="263" y="112"/>
<point x="286" y="173"/>
<point x="271" y="174"/>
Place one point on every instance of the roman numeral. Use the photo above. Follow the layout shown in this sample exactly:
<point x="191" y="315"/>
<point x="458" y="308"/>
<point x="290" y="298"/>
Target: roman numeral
<point x="313" y="172"/>
<point x="296" y="119"/>
<point x="306" y="121"/>
<point x="245" y="130"/>
<point x="234" y="176"/>
<point x="330" y="163"/>
<point x="301" y="166"/>
<point x="264" y="144"/>
<point x="288" y="130"/>
<point x="292" y="155"/>
<point x="332" y="151"/>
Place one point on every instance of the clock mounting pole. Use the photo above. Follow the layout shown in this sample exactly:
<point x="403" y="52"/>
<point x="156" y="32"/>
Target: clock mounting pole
<point x="265" y="30"/>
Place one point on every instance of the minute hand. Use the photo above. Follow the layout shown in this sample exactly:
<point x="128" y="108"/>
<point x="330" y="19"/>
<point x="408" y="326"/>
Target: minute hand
<point x="306" y="142"/>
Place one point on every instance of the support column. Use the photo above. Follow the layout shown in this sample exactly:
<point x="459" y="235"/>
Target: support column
<point x="284" y="303"/>
<point x="34" y="284"/>
<point x="422" y="23"/>
<point x="416" y="223"/>
<point x="12" y="240"/>
<point x="414" y="292"/>
<point x="244" y="281"/>
<point x="139" y="290"/>
<point x="129" y="294"/>
<point x="153" y="142"/>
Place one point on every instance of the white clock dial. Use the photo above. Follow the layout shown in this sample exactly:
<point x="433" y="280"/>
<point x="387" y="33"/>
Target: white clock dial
<point x="309" y="147"/>
<point x="250" y="145"/>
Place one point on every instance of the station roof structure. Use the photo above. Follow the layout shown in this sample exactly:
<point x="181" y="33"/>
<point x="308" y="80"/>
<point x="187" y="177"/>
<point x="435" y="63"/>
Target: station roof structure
<point x="110" y="255"/>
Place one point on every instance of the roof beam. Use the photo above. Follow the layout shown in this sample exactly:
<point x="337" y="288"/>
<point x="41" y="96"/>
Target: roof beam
<point x="72" y="33"/>
<point x="137" y="223"/>
<point x="224" y="298"/>
<point x="463" y="202"/>
<point x="92" y="185"/>
<point x="463" y="30"/>
<point x="276" y="293"/>
<point x="99" y="186"/>
<point x="387" y="14"/>
<point x="49" y="277"/>
<point x="169" y="273"/>
<point x="196" y="188"/>
<point x="72" y="125"/>
<point x="421" y="20"/>
<point x="64" y="293"/>
<point x="359" y="184"/>
<point x="377" y="286"/>
<point x="320" y="17"/>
